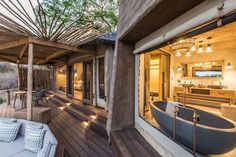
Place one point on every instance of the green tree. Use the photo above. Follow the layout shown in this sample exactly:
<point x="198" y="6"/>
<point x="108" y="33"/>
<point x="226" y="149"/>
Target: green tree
<point x="102" y="13"/>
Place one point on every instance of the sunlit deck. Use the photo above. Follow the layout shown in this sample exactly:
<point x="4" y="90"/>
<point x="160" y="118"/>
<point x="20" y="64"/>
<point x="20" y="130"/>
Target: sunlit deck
<point x="75" y="139"/>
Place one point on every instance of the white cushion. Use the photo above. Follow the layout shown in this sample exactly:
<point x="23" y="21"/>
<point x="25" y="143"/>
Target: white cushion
<point x="45" y="151"/>
<point x="34" y="138"/>
<point x="170" y="107"/>
<point x="8" y="130"/>
<point x="25" y="153"/>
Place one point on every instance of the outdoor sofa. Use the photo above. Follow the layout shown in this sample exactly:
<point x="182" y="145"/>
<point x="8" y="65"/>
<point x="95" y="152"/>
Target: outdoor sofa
<point x="17" y="149"/>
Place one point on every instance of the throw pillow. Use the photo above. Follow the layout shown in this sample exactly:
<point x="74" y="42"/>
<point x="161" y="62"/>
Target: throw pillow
<point x="9" y="130"/>
<point x="45" y="151"/>
<point x="34" y="138"/>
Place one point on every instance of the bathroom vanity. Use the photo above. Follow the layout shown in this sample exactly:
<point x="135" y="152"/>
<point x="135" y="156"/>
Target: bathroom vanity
<point x="204" y="96"/>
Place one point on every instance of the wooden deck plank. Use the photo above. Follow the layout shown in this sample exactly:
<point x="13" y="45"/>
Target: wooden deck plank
<point x="9" y="110"/>
<point x="4" y="111"/>
<point x="71" y="134"/>
<point x="68" y="135"/>
<point x="128" y="142"/>
<point x="1" y="109"/>
<point x="94" y="109"/>
<point x="85" y="135"/>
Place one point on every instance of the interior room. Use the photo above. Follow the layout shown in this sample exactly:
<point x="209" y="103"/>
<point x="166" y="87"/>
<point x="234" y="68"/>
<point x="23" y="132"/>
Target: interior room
<point x="78" y="81"/>
<point x="61" y="79"/>
<point x="190" y="83"/>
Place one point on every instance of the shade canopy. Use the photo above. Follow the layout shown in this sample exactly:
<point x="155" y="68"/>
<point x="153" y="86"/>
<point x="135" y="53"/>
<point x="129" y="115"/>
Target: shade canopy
<point x="51" y="38"/>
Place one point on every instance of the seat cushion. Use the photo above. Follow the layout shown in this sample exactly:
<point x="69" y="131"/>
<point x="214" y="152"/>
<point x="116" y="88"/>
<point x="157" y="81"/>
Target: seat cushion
<point x="8" y="130"/>
<point x="12" y="148"/>
<point x="25" y="153"/>
<point x="34" y="138"/>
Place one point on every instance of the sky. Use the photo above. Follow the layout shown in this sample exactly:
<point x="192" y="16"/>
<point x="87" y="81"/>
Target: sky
<point x="25" y="4"/>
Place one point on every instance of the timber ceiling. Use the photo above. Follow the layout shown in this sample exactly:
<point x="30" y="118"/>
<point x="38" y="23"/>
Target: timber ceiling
<point x="223" y="39"/>
<point x="165" y="12"/>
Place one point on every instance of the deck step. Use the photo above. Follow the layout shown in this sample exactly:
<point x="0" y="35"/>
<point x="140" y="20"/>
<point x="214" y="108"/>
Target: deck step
<point x="97" y="124"/>
<point x="83" y="107"/>
<point x="129" y="142"/>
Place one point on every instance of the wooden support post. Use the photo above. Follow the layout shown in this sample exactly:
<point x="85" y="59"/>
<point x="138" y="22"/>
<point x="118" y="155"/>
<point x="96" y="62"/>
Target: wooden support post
<point x="8" y="98"/>
<point x="30" y="83"/>
<point x="95" y="80"/>
<point x="19" y="76"/>
<point x="54" y="73"/>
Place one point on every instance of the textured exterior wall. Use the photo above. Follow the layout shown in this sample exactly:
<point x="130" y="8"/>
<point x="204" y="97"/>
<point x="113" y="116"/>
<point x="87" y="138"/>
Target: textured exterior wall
<point x="131" y="11"/>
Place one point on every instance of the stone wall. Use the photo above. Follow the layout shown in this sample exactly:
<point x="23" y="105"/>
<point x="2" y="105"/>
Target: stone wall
<point x="131" y="11"/>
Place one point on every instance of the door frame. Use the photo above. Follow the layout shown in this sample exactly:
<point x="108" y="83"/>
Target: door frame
<point x="69" y="81"/>
<point x="100" y="102"/>
<point x="87" y="101"/>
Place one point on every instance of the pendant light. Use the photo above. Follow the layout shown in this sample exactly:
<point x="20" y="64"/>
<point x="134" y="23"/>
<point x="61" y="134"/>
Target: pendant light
<point x="200" y="48"/>
<point x="229" y="66"/>
<point x="209" y="48"/>
<point x="178" y="54"/>
<point x="193" y="48"/>
<point x="179" y="68"/>
<point x="188" y="54"/>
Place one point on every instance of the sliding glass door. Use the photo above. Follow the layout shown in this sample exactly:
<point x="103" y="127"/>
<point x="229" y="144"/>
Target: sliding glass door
<point x="88" y="79"/>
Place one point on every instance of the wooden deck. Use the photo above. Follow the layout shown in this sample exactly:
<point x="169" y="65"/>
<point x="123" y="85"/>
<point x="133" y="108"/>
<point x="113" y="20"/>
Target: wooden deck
<point x="73" y="136"/>
<point x="77" y="140"/>
<point x="129" y="142"/>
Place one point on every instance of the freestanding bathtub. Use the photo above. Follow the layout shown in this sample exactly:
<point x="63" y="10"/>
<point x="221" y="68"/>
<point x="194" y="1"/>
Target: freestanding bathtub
<point x="214" y="134"/>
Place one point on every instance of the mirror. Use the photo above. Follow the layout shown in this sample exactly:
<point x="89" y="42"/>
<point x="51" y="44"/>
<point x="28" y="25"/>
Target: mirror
<point x="211" y="69"/>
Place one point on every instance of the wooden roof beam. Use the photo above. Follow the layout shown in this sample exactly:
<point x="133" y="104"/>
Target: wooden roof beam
<point x="6" y="59"/>
<point x="14" y="56"/>
<point x="59" y="45"/>
<point x="14" y="43"/>
<point x="22" y="52"/>
<point x="52" y="56"/>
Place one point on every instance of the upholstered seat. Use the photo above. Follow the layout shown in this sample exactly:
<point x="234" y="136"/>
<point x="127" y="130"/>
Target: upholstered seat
<point x="16" y="148"/>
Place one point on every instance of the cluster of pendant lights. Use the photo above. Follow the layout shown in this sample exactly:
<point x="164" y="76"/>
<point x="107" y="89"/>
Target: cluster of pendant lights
<point x="189" y="46"/>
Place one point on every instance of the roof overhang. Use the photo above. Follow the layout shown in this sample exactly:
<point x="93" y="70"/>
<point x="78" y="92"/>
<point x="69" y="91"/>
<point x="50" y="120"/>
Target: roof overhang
<point x="163" y="13"/>
<point x="14" y="50"/>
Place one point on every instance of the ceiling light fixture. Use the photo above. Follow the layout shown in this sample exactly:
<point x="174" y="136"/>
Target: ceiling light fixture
<point x="188" y="54"/>
<point x="178" y="54"/>
<point x="179" y="68"/>
<point x="182" y="46"/>
<point x="209" y="48"/>
<point x="193" y="48"/>
<point x="200" y="48"/>
<point x="229" y="66"/>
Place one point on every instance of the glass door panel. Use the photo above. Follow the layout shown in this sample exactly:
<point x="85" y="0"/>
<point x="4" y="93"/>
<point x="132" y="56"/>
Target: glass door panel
<point x="87" y="80"/>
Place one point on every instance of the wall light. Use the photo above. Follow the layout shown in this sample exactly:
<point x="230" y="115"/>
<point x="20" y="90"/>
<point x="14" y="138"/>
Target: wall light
<point x="68" y="104"/>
